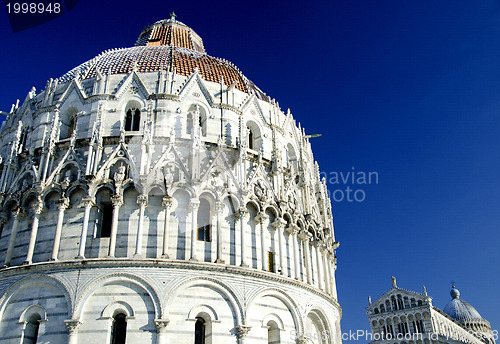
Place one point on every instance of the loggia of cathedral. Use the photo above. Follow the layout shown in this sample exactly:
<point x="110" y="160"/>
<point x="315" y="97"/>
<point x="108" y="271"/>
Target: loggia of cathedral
<point x="154" y="194"/>
<point x="402" y="316"/>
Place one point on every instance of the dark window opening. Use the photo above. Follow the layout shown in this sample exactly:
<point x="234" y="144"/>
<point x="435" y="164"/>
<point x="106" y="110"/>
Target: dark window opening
<point x="204" y="227"/>
<point x="119" y="329"/>
<point x="67" y="131"/>
<point x="199" y="331"/>
<point x="72" y="125"/>
<point x="106" y="220"/>
<point x="273" y="333"/>
<point x="250" y="138"/>
<point x="420" y="326"/>
<point x="133" y="120"/>
<point x="204" y="233"/>
<point x="270" y="260"/>
<point x="31" y="329"/>
<point x="23" y="139"/>
<point x="400" y="302"/>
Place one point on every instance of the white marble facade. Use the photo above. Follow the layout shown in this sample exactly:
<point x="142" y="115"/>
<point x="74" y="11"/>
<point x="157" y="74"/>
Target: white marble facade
<point x="176" y="203"/>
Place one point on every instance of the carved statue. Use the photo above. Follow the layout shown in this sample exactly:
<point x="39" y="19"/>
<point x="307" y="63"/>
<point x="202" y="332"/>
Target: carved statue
<point x="168" y="177"/>
<point x="259" y="189"/>
<point x="230" y="184"/>
<point x="120" y="175"/>
<point x="67" y="179"/>
<point x="25" y="185"/>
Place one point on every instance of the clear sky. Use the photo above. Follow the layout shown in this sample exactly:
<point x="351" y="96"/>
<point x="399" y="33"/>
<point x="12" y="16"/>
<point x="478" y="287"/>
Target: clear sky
<point x="409" y="90"/>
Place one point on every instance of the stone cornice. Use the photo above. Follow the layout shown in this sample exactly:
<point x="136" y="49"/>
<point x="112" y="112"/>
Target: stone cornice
<point x="227" y="107"/>
<point x="98" y="97"/>
<point x="44" y="109"/>
<point x="163" y="96"/>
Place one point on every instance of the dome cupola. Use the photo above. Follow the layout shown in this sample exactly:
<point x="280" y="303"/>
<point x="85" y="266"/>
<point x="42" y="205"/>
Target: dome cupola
<point x="165" y="46"/>
<point x="459" y="309"/>
<point x="171" y="32"/>
<point x="468" y="317"/>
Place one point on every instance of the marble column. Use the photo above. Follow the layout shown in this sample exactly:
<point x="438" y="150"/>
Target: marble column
<point x="304" y="236"/>
<point x="194" y="205"/>
<point x="62" y="205"/>
<point x="142" y="202"/>
<point x="37" y="210"/>
<point x="242" y="331"/>
<point x="161" y="330"/>
<point x="16" y="215"/>
<point x="87" y="203"/>
<point x="167" y="204"/>
<point x="219" y="207"/>
<point x="260" y="219"/>
<point x="326" y="273"/>
<point x="279" y="225"/>
<point x="293" y="231"/>
<point x="72" y="325"/>
<point x="117" y="201"/>
<point x="331" y="267"/>
<point x="242" y="215"/>
<point x="319" y="267"/>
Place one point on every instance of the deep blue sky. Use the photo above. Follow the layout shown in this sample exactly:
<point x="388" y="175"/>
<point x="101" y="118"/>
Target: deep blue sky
<point x="407" y="89"/>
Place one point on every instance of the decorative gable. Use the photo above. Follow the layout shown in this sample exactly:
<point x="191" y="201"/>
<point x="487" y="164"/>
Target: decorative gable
<point x="396" y="299"/>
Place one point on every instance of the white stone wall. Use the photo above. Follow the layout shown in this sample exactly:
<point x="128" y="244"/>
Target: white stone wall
<point x="177" y="292"/>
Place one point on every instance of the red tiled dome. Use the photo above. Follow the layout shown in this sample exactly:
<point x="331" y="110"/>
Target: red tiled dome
<point x="165" y="45"/>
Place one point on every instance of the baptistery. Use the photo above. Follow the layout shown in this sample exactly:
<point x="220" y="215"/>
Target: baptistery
<point x="154" y="194"/>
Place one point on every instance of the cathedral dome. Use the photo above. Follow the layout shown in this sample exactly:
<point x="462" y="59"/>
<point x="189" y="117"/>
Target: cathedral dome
<point x="459" y="309"/>
<point x="165" y="45"/>
<point x="155" y="190"/>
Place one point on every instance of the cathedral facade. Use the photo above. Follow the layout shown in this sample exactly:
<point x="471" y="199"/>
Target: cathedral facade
<point x="154" y="194"/>
<point x="406" y="317"/>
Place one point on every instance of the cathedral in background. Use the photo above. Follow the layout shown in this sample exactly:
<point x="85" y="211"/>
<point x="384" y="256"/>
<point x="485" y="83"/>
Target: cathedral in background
<point x="406" y="317"/>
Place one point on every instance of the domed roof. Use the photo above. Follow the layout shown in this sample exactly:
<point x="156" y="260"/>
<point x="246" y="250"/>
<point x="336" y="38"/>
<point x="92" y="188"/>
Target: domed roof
<point x="165" y="45"/>
<point x="171" y="32"/>
<point x="459" y="309"/>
